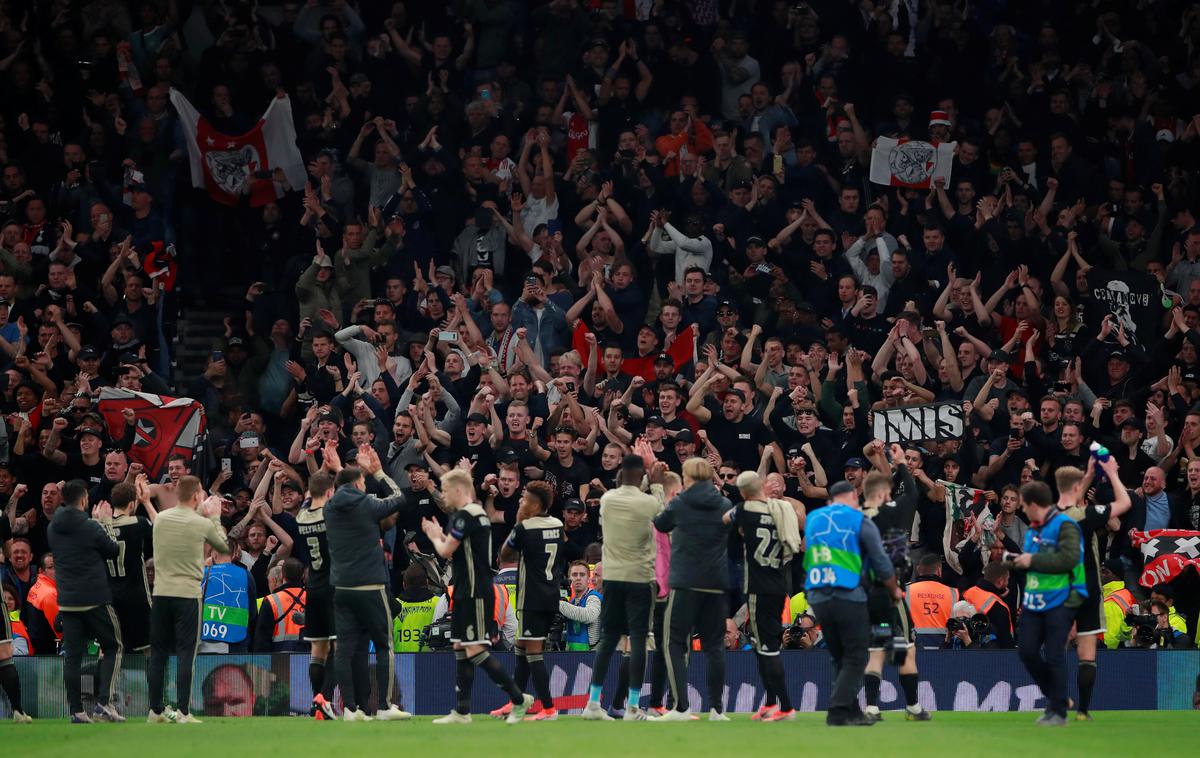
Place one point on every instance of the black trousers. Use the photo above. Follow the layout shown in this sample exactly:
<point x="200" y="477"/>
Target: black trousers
<point x="174" y="629"/>
<point x="703" y="613"/>
<point x="847" y="629"/>
<point x="362" y="617"/>
<point x="99" y="623"/>
<point x="1043" y="648"/>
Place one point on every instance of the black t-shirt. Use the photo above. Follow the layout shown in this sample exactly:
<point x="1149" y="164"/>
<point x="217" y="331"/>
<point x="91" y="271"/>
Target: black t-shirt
<point x="765" y="572"/>
<point x="127" y="573"/>
<point x="577" y="541"/>
<point x="472" y="561"/>
<point x="869" y="334"/>
<point x="539" y="540"/>
<point x="738" y="441"/>
<point x="418" y="506"/>
<point x="76" y="468"/>
<point x="567" y="480"/>
<point x="481" y="455"/>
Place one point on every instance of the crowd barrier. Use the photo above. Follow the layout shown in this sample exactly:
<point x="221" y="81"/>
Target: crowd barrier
<point x="277" y="685"/>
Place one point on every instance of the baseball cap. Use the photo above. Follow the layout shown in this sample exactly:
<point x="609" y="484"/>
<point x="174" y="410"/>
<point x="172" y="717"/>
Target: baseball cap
<point x="122" y="318"/>
<point x="359" y="78"/>
<point x="573" y="505"/>
<point x="1117" y="353"/>
<point x="332" y="414"/>
<point x="1001" y="356"/>
<point x="794" y="451"/>
<point x="291" y="484"/>
<point x="1132" y="423"/>
<point x="417" y="464"/>
<point x="655" y="420"/>
<point x="731" y="304"/>
<point x="855" y="462"/>
<point x="1164" y="135"/>
<point x="664" y="358"/>
<point x="92" y="430"/>
<point x="840" y="488"/>
<point x="755" y="240"/>
<point x="684" y="436"/>
<point x="235" y="342"/>
<point x="446" y="271"/>
<point x="507" y="455"/>
<point x="87" y="353"/>
<point x="477" y="418"/>
<point x="324" y="261"/>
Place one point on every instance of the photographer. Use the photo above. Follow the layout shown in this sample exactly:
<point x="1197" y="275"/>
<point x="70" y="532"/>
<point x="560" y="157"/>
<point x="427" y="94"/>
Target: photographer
<point x="1162" y="627"/>
<point x="804" y="634"/>
<point x="967" y="629"/>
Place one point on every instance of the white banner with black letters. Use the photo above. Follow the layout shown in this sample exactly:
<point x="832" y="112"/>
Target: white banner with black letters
<point x="915" y="423"/>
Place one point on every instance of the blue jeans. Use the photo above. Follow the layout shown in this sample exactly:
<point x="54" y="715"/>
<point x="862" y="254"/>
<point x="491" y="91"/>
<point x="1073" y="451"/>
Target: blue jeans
<point x="1043" y="649"/>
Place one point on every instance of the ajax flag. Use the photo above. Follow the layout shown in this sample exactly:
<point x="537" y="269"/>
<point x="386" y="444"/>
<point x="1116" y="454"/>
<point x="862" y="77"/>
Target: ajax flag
<point x="910" y="163"/>
<point x="164" y="426"/>
<point x="230" y="166"/>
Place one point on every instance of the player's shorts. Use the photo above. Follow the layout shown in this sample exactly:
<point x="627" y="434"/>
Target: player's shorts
<point x="626" y="608"/>
<point x="472" y="621"/>
<point x="884" y="610"/>
<point x="1089" y="618"/>
<point x="134" y="618"/>
<point x="5" y="627"/>
<point x="766" y="622"/>
<point x="535" y="624"/>
<point x="318" y="614"/>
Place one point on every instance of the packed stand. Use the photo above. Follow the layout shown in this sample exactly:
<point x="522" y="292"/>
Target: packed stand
<point x="538" y="237"/>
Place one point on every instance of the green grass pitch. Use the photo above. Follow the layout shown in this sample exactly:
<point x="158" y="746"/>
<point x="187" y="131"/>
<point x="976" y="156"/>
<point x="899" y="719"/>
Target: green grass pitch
<point x="971" y="733"/>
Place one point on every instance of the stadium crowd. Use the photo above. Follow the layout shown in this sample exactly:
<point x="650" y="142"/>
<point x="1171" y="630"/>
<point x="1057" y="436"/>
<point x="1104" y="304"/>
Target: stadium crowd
<point x="537" y="237"/>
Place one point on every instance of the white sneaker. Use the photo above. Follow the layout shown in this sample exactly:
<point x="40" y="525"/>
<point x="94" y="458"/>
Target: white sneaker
<point x="157" y="718"/>
<point x="638" y="714"/>
<point x="106" y="713"/>
<point x="393" y="713"/>
<point x="675" y="715"/>
<point x="22" y="718"/>
<point x="356" y="714"/>
<point x="715" y="715"/>
<point x="454" y="717"/>
<point x="593" y="712"/>
<point x="187" y="718"/>
<point x="517" y="714"/>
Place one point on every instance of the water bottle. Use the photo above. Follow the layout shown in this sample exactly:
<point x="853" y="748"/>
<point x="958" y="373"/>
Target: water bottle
<point x="1101" y="454"/>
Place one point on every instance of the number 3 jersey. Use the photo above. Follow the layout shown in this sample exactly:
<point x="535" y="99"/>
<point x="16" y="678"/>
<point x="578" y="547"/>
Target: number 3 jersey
<point x="313" y="549"/>
<point x="765" y="573"/>
<point x="539" y="541"/>
<point x="127" y="572"/>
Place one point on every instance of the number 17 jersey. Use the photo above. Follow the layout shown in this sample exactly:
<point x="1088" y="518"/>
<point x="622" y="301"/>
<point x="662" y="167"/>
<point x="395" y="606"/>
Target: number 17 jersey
<point x="539" y="541"/>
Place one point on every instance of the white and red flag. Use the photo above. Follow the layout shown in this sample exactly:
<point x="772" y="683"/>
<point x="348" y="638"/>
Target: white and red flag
<point x="230" y="166"/>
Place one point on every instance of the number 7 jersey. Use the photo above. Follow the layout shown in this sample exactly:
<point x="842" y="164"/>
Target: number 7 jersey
<point x="539" y="540"/>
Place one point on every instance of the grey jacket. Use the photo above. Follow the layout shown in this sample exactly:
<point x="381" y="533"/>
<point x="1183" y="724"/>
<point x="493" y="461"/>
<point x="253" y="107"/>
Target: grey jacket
<point x="699" y="538"/>
<point x="80" y="546"/>
<point x="352" y="527"/>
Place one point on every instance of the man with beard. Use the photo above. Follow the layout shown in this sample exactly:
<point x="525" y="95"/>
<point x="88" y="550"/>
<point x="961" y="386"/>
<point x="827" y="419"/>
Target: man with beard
<point x="404" y="449"/>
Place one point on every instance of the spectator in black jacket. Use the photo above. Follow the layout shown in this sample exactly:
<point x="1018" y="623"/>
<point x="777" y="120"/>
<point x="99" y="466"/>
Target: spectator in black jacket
<point x="81" y="546"/>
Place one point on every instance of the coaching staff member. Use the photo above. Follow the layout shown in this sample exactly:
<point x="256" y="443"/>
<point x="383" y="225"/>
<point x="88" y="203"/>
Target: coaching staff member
<point x="842" y="545"/>
<point x="81" y="546"/>
<point x="699" y="580"/>
<point x="361" y="610"/>
<point x="1055" y="588"/>
<point x="180" y="534"/>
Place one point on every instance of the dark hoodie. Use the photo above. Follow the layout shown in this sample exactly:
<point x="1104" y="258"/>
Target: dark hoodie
<point x="80" y="546"/>
<point x="698" y="542"/>
<point x="352" y="527"/>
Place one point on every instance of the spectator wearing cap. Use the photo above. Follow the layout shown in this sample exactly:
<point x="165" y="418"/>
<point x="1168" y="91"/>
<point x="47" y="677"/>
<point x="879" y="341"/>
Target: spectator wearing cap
<point x="577" y="532"/>
<point x="86" y="463"/>
<point x="316" y="290"/>
<point x="1132" y="460"/>
<point x="1122" y="369"/>
<point x="245" y="361"/>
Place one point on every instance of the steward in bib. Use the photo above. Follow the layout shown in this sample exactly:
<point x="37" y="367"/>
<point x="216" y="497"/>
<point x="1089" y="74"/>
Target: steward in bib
<point x="1055" y="587"/>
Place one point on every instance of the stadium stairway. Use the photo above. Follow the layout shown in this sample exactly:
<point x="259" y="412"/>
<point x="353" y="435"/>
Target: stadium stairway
<point x="199" y="328"/>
